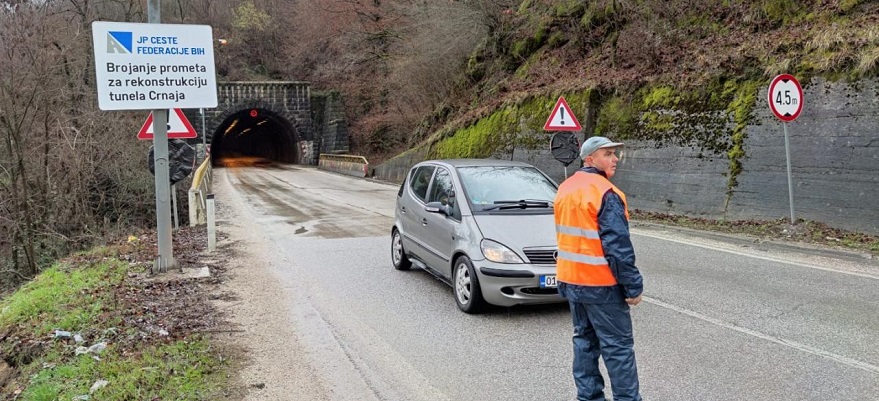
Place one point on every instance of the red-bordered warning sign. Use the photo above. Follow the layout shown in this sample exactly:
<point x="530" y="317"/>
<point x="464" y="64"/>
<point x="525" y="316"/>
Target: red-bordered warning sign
<point x="561" y="118"/>
<point x="178" y="127"/>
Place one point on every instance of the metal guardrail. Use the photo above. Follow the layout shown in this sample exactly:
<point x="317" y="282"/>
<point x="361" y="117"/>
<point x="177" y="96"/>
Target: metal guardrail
<point x="198" y="193"/>
<point x="354" y="165"/>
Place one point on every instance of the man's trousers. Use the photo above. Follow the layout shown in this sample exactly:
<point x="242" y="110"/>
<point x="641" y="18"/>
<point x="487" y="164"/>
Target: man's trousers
<point x="604" y="330"/>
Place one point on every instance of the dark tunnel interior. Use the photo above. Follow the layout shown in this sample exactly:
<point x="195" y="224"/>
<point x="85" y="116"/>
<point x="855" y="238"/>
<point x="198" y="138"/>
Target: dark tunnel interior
<point x="254" y="136"/>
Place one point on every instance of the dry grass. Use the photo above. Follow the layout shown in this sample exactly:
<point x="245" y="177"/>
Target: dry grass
<point x="779" y="67"/>
<point x="834" y="61"/>
<point x="831" y="38"/>
<point x="869" y="61"/>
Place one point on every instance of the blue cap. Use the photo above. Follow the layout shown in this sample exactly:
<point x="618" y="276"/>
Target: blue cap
<point x="597" y="142"/>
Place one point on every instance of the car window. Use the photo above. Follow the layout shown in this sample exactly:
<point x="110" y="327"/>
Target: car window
<point x="486" y="185"/>
<point x="442" y="191"/>
<point x="420" y="180"/>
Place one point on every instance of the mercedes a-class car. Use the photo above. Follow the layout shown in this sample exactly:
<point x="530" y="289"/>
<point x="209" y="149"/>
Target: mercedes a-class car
<point x="485" y="227"/>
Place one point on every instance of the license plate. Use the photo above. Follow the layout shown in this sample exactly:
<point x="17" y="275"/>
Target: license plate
<point x="548" y="282"/>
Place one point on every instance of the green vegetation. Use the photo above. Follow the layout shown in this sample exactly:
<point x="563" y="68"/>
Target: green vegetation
<point x="781" y="11"/>
<point x="55" y="298"/>
<point x="90" y="294"/>
<point x="617" y="115"/>
<point x="481" y="139"/>
<point x="524" y="48"/>
<point x="180" y="370"/>
<point x="695" y="117"/>
<point x="741" y="107"/>
<point x="847" y="5"/>
<point x="248" y="16"/>
<point x="515" y="125"/>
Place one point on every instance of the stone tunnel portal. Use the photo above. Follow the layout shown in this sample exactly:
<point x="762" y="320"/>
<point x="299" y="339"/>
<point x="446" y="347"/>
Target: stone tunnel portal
<point x="255" y="134"/>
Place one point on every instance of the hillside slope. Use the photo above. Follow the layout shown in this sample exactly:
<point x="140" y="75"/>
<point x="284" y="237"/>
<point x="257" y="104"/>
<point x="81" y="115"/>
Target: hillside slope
<point x="630" y="59"/>
<point x="683" y="82"/>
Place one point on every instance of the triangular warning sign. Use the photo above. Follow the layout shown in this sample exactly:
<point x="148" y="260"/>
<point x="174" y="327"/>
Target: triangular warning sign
<point x="178" y="126"/>
<point x="561" y="118"/>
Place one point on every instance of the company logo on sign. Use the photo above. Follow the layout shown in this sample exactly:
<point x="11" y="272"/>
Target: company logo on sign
<point x="119" y="42"/>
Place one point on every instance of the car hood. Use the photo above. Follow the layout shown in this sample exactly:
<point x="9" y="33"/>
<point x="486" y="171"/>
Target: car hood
<point x="518" y="231"/>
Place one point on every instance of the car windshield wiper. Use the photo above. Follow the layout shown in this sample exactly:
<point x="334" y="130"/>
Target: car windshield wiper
<point x="519" y="204"/>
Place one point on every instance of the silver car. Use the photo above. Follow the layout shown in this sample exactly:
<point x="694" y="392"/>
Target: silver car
<point x="483" y="226"/>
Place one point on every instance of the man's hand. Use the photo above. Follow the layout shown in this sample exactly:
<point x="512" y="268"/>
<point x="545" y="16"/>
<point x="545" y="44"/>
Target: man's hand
<point x="633" y="301"/>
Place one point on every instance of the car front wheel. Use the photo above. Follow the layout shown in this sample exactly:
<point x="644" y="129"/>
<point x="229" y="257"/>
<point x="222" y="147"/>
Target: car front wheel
<point x="468" y="295"/>
<point x="398" y="255"/>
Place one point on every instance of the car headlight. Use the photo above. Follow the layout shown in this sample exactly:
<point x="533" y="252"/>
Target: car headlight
<point x="498" y="253"/>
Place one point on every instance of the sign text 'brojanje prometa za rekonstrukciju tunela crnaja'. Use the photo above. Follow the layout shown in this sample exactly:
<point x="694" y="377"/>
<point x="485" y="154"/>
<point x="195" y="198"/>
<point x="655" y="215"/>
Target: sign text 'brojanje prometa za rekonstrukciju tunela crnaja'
<point x="154" y="66"/>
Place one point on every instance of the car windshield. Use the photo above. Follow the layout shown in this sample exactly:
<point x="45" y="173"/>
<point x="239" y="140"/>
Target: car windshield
<point x="488" y="186"/>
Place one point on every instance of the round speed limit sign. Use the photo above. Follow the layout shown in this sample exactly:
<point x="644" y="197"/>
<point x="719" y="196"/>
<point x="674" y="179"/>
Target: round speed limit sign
<point x="785" y="97"/>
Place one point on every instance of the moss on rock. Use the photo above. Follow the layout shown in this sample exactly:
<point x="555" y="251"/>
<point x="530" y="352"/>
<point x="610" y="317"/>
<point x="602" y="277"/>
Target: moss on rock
<point x="518" y="125"/>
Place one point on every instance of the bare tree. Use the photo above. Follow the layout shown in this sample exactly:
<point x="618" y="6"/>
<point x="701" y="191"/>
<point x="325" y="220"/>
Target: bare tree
<point x="436" y="44"/>
<point x="68" y="174"/>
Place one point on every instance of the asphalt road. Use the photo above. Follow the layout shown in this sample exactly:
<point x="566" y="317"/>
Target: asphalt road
<point x="723" y="318"/>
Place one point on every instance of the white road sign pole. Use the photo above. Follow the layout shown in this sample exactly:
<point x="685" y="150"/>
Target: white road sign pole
<point x="786" y="102"/>
<point x="165" y="260"/>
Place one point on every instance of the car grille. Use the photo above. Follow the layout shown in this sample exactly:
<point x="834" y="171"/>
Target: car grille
<point x="540" y="256"/>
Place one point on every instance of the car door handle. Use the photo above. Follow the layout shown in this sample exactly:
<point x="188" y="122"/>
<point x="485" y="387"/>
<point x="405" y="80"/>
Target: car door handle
<point x="402" y="209"/>
<point x="424" y="222"/>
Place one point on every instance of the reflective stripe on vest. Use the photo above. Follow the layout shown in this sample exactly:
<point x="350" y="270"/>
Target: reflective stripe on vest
<point x="581" y="259"/>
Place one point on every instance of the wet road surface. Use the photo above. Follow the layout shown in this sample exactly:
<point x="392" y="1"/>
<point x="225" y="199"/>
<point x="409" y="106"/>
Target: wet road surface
<point x="723" y="319"/>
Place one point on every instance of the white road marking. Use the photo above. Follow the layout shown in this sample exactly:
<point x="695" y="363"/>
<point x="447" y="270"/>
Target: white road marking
<point x="761" y="257"/>
<point x="792" y="344"/>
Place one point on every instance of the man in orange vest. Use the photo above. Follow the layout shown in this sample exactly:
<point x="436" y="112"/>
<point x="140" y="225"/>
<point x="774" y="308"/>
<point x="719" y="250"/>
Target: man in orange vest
<point x="597" y="274"/>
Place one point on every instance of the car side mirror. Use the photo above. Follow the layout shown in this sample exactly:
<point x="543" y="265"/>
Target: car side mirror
<point x="436" y="207"/>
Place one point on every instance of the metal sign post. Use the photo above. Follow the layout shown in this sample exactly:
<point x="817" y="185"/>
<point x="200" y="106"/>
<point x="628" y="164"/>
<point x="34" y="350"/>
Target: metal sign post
<point x="204" y="139"/>
<point x="165" y="260"/>
<point x="786" y="102"/>
<point x="790" y="183"/>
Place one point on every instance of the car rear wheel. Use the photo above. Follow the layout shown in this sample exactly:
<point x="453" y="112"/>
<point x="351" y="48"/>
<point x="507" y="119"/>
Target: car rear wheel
<point x="398" y="255"/>
<point x="468" y="295"/>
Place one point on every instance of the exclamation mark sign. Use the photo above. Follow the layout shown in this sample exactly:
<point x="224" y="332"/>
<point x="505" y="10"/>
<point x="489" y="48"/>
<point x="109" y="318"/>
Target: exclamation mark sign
<point x="562" y="111"/>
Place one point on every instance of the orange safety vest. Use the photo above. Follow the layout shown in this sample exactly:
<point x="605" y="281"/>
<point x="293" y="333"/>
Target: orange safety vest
<point x="580" y="257"/>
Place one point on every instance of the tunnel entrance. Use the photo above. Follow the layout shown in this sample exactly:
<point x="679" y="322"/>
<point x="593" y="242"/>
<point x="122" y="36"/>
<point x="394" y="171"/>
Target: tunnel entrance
<point x="254" y="136"/>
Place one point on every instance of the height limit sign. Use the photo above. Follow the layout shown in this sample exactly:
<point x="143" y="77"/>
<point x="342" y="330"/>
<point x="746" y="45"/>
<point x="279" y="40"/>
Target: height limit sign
<point x="786" y="102"/>
<point x="785" y="97"/>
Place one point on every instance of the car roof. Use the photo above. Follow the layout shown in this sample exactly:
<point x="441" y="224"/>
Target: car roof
<point x="479" y="163"/>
